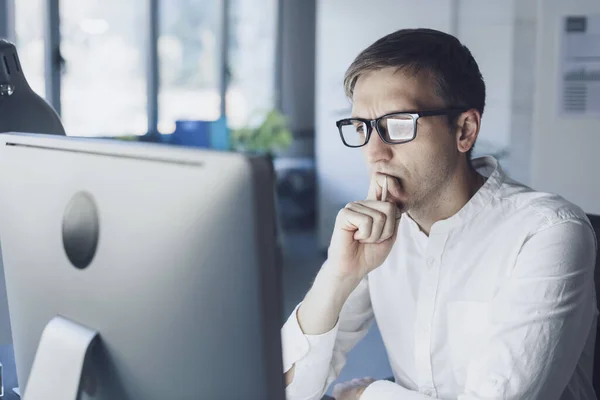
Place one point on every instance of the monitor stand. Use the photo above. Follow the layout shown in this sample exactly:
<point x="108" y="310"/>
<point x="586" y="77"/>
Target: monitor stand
<point x="57" y="368"/>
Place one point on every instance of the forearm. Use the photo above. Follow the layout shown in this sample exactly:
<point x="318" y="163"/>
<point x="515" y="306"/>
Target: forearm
<point x="323" y="303"/>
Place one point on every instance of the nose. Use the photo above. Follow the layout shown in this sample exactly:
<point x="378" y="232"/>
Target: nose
<point x="376" y="149"/>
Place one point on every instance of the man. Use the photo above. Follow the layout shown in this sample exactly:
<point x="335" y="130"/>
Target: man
<point x="482" y="288"/>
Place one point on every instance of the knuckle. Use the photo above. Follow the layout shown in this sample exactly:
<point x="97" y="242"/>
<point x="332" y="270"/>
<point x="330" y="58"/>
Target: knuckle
<point x="390" y="208"/>
<point x="380" y="217"/>
<point x="366" y="227"/>
<point x="345" y="210"/>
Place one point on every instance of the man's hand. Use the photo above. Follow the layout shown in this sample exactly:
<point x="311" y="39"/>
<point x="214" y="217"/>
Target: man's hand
<point x="364" y="234"/>
<point x="351" y="390"/>
<point x="365" y="231"/>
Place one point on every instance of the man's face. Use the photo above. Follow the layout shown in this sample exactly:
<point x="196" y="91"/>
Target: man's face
<point x="423" y="166"/>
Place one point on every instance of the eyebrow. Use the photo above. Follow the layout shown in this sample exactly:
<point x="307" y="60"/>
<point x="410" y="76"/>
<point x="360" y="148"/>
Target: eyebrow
<point x="403" y="110"/>
<point x="415" y="105"/>
<point x="418" y="106"/>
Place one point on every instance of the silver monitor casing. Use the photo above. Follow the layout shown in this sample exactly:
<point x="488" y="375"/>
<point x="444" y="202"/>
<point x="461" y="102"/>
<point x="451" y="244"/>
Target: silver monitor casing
<point x="184" y="285"/>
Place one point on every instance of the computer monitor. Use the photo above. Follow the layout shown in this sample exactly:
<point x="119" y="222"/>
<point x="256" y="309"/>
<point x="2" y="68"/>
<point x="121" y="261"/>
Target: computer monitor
<point x="5" y="336"/>
<point x="168" y="253"/>
<point x="21" y="109"/>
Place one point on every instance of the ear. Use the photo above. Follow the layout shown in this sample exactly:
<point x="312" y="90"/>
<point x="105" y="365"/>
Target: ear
<point x="467" y="129"/>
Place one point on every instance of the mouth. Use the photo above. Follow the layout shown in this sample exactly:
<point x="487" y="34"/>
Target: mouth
<point x="397" y="179"/>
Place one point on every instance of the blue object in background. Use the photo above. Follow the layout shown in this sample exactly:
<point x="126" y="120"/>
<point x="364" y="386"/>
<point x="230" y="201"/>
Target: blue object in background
<point x="192" y="133"/>
<point x="207" y="134"/>
<point x="219" y="135"/>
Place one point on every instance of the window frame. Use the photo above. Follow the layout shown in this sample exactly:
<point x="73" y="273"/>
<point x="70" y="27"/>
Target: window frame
<point x="53" y="60"/>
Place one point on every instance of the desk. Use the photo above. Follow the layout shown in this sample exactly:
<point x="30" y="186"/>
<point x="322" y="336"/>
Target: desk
<point x="9" y="372"/>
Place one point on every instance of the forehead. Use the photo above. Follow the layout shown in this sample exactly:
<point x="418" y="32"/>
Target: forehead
<point x="389" y="90"/>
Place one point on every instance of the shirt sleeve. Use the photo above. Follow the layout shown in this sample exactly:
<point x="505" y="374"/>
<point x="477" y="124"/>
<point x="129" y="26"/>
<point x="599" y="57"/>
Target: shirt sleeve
<point x="540" y="319"/>
<point x="320" y="358"/>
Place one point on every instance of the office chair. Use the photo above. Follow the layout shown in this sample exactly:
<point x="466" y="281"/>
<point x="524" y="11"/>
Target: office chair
<point x="595" y="220"/>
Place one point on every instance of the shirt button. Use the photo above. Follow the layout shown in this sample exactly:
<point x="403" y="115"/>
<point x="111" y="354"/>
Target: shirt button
<point x="429" y="392"/>
<point x="430" y="262"/>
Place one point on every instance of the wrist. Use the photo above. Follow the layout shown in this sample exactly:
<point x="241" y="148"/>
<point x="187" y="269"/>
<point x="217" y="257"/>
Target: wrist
<point x="323" y="303"/>
<point x="338" y="279"/>
<point x="338" y="286"/>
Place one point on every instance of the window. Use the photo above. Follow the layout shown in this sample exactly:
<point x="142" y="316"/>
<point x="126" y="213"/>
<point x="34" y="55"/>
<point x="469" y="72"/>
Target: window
<point x="103" y="89"/>
<point x="104" y="77"/>
<point x="29" y="26"/>
<point x="189" y="59"/>
<point x="252" y="42"/>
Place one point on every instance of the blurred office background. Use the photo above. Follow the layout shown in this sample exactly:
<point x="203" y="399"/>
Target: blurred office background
<point x="166" y="70"/>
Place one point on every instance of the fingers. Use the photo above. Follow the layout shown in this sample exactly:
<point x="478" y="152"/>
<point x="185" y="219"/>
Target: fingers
<point x="389" y="209"/>
<point x="341" y="389"/>
<point x="383" y="187"/>
<point x="390" y="213"/>
<point x="394" y="189"/>
<point x="371" y="221"/>
<point x="380" y="179"/>
<point x="377" y="185"/>
<point x="384" y="190"/>
<point x="374" y="188"/>
<point x="362" y="382"/>
<point x="357" y="223"/>
<point x="378" y="222"/>
<point x="368" y="380"/>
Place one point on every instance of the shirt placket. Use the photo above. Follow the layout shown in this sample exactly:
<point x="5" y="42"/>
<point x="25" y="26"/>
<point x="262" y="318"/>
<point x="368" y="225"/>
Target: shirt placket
<point x="425" y="311"/>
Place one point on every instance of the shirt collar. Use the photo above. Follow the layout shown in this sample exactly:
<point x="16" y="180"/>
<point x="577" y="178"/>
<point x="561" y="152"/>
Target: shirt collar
<point x="487" y="166"/>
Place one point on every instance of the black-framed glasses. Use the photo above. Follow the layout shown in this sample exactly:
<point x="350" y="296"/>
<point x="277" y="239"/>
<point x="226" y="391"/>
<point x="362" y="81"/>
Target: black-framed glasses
<point x="393" y="128"/>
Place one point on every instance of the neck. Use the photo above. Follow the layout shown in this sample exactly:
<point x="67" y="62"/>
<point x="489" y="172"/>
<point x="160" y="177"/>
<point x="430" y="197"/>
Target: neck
<point x="446" y="202"/>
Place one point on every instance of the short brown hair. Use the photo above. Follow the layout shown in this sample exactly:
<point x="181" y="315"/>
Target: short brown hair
<point x="455" y="72"/>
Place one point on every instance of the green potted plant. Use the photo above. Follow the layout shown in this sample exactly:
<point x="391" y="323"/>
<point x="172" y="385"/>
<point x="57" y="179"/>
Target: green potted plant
<point x="272" y="135"/>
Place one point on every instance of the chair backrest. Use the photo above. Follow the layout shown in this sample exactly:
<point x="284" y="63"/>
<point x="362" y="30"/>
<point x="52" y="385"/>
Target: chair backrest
<point x="595" y="220"/>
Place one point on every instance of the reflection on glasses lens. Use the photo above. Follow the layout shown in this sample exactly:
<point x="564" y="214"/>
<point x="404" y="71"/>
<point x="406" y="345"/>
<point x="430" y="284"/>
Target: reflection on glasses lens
<point x="354" y="134"/>
<point x="398" y="128"/>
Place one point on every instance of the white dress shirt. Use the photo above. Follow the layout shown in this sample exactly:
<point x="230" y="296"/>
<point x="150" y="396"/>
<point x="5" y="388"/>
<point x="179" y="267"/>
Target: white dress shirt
<point x="498" y="302"/>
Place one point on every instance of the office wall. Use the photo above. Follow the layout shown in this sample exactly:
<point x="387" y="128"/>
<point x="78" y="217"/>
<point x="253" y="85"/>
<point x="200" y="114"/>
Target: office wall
<point x="487" y="28"/>
<point x="565" y="150"/>
<point x="524" y="37"/>
<point x="344" y="28"/>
